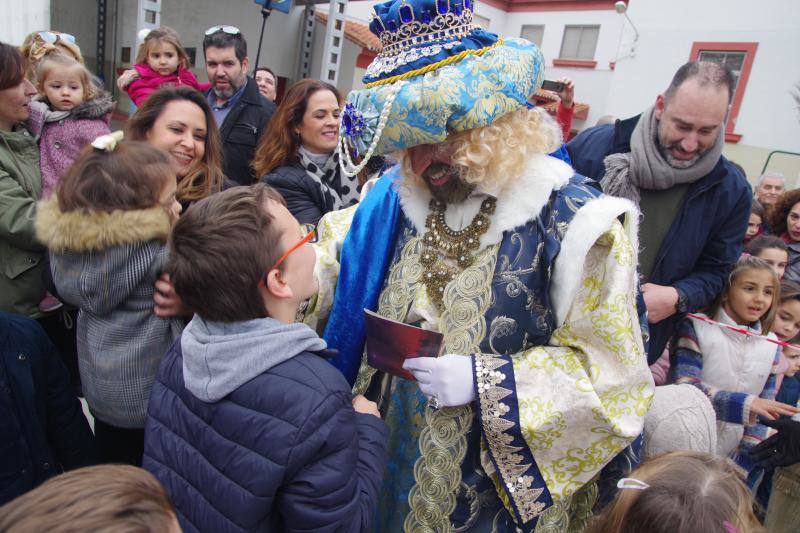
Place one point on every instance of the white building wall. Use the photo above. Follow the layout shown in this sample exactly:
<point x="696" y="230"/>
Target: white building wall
<point x="279" y="51"/>
<point x="592" y="86"/>
<point x="19" y="18"/>
<point x="348" y="77"/>
<point x="768" y="118"/>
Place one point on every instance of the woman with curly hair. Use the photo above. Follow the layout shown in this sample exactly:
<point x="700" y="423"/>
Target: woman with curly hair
<point x="785" y="222"/>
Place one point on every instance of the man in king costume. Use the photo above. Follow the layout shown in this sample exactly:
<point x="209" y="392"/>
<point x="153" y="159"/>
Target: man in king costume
<point x="527" y="271"/>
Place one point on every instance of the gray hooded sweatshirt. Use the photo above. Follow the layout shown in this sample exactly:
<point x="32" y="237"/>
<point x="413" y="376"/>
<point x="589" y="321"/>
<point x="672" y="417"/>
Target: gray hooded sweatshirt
<point x="220" y="357"/>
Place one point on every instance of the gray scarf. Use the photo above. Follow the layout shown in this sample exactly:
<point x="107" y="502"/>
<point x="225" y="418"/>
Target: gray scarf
<point x="644" y="167"/>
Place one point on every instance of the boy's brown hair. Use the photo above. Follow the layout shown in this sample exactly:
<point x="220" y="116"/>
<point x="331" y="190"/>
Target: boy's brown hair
<point x="164" y="34"/>
<point x="686" y="492"/>
<point x="105" y="498"/>
<point x="220" y="250"/>
<point x="130" y="177"/>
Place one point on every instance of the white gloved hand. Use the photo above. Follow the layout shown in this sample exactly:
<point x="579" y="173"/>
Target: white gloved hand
<point x="447" y="381"/>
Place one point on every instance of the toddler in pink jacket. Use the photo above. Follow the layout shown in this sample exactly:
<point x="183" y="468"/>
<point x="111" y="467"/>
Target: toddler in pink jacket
<point x="161" y="61"/>
<point x="69" y="114"/>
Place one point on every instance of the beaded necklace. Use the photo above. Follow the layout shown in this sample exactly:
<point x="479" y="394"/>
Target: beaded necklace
<point x="440" y="242"/>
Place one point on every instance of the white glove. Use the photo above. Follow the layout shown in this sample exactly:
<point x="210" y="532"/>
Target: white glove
<point x="447" y="380"/>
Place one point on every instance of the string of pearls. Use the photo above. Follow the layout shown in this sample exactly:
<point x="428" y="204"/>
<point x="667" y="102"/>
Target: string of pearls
<point x="349" y="168"/>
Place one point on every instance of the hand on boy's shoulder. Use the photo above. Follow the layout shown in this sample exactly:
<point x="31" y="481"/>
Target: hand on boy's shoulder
<point x="362" y="405"/>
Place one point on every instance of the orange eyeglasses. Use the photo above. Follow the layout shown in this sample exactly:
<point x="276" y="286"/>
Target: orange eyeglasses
<point x="310" y="231"/>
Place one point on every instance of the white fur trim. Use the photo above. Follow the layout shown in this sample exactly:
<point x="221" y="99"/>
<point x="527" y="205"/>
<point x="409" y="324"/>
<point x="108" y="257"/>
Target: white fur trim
<point x="519" y="202"/>
<point x="589" y="224"/>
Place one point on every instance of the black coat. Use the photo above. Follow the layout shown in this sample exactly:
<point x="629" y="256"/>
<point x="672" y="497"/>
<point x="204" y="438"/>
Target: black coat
<point x="304" y="198"/>
<point x="241" y="130"/>
<point x="42" y="427"/>
<point x="283" y="452"/>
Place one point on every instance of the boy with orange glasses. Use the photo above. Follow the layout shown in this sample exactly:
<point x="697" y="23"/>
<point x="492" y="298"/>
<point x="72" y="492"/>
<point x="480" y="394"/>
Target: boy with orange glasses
<point x="249" y="427"/>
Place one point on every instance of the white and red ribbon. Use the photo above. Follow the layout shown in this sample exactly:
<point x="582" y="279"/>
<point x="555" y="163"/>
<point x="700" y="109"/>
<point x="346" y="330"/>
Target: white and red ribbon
<point x="741" y="330"/>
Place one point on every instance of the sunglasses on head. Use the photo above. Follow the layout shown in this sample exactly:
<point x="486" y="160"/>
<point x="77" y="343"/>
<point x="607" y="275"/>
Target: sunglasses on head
<point x="53" y="37"/>
<point x="230" y="30"/>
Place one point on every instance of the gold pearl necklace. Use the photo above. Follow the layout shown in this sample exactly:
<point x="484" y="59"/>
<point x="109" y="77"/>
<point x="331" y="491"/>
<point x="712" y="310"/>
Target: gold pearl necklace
<point x="440" y="243"/>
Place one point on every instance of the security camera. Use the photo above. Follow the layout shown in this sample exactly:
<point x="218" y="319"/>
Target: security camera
<point x="620" y="7"/>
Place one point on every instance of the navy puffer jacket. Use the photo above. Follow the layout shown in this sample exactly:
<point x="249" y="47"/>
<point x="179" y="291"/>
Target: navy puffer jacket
<point x="283" y="452"/>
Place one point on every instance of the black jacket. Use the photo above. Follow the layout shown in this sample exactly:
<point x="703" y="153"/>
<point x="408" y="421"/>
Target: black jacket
<point x="241" y="130"/>
<point x="42" y="428"/>
<point x="705" y="237"/>
<point x="304" y="198"/>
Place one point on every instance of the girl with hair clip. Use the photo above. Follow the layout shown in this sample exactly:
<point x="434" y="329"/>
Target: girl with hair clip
<point x="680" y="492"/>
<point x="106" y="228"/>
<point x="40" y="44"/>
<point x="735" y="370"/>
<point x="161" y="60"/>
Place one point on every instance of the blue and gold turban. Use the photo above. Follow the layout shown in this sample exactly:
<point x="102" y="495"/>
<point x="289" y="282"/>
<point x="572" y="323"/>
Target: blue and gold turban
<point x="437" y="73"/>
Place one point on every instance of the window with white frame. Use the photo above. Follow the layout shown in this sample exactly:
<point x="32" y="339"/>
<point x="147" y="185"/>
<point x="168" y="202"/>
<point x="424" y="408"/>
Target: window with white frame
<point x="580" y="42"/>
<point x="533" y="33"/>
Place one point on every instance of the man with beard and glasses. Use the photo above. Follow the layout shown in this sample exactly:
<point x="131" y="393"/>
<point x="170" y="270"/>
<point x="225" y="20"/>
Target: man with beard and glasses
<point x="695" y="204"/>
<point x="242" y="113"/>
<point x="524" y="268"/>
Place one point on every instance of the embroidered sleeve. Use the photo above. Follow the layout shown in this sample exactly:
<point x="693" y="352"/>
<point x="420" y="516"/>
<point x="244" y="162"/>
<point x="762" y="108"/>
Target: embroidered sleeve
<point x="331" y="231"/>
<point x="554" y="415"/>
<point x="729" y="406"/>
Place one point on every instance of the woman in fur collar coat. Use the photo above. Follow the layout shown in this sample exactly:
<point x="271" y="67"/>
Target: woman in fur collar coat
<point x="106" y="229"/>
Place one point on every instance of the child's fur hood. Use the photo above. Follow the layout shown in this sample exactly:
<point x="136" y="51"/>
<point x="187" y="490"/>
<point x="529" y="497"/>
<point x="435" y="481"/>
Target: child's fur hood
<point x="97" y="107"/>
<point x="85" y="230"/>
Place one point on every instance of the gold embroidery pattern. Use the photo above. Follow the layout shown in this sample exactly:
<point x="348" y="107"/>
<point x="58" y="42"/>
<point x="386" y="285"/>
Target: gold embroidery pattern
<point x="509" y="462"/>
<point x="443" y="444"/>
<point x="541" y="414"/>
<point x="586" y="367"/>
<point x="394" y="299"/>
<point x="568" y="471"/>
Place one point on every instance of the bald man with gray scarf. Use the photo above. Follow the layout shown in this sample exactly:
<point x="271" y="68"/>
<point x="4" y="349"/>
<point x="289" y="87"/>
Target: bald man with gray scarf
<point x="694" y="203"/>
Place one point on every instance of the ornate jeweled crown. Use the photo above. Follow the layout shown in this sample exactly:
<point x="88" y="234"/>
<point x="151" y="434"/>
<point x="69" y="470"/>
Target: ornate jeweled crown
<point x="404" y="103"/>
<point x="450" y="21"/>
<point x="419" y="30"/>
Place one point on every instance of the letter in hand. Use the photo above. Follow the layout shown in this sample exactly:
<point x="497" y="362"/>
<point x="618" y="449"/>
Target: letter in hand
<point x="362" y="405"/>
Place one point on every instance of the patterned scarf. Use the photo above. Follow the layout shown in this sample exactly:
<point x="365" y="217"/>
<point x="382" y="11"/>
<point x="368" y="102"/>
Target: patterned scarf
<point x="645" y="167"/>
<point x="340" y="191"/>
